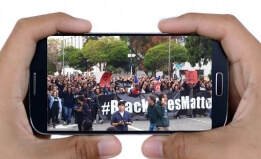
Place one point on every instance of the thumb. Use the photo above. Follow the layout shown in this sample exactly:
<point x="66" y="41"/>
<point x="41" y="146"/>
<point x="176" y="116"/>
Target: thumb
<point x="77" y="147"/>
<point x="182" y="145"/>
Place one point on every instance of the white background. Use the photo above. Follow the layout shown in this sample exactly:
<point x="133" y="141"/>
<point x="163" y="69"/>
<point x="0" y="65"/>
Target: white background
<point x="128" y="16"/>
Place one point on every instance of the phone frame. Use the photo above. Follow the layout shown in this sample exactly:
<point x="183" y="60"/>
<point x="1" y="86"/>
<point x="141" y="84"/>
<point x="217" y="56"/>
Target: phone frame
<point x="38" y="80"/>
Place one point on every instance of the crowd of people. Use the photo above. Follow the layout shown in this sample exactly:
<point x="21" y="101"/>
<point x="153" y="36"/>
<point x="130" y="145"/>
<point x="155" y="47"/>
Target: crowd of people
<point x="77" y="95"/>
<point x="143" y="84"/>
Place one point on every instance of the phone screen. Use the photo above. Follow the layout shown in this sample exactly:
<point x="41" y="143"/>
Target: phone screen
<point x="129" y="83"/>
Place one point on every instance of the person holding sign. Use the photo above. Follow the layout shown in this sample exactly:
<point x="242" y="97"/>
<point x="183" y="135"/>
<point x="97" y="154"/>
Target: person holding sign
<point x="121" y="118"/>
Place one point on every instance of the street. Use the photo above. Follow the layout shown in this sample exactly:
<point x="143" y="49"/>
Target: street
<point x="182" y="124"/>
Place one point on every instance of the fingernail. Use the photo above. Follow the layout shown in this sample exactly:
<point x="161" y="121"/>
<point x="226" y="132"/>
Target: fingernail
<point x="107" y="147"/>
<point x="153" y="148"/>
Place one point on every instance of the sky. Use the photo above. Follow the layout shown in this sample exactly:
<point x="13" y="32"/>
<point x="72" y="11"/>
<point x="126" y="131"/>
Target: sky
<point x="128" y="16"/>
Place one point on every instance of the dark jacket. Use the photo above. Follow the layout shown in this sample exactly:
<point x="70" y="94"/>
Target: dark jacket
<point x="84" y="114"/>
<point x="84" y="92"/>
<point x="60" y="88"/>
<point x="86" y="111"/>
<point x="152" y="114"/>
<point x="93" y="102"/>
<point x="75" y="98"/>
<point x="162" y="115"/>
<point x="68" y="99"/>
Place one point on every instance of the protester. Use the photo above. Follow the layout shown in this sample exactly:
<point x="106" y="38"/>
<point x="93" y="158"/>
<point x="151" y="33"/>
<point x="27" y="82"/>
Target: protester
<point x="83" y="112"/>
<point x="108" y="91"/>
<point x="68" y="105"/>
<point x="87" y="125"/>
<point x="97" y="92"/>
<point x="162" y="120"/>
<point x="117" y="90"/>
<point x="125" y="91"/>
<point x="55" y="107"/>
<point x="152" y="112"/>
<point x="75" y="102"/>
<point x="60" y="86"/>
<point x="84" y="91"/>
<point x="94" y="106"/>
<point x="121" y="118"/>
<point x="112" y="128"/>
<point x="136" y="90"/>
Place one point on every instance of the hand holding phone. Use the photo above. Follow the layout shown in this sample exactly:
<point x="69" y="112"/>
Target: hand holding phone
<point x="243" y="103"/>
<point x="15" y="58"/>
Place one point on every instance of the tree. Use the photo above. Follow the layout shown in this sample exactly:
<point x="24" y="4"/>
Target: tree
<point x="107" y="50"/>
<point x="95" y="51"/>
<point x="139" y="45"/>
<point x="118" y="54"/>
<point x="157" y="57"/>
<point x="50" y="67"/>
<point x="54" y="49"/>
<point x="199" y="50"/>
<point x="74" y="58"/>
<point x="87" y="38"/>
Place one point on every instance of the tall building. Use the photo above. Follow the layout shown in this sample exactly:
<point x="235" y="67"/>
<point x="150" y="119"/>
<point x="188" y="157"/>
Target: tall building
<point x="75" y="41"/>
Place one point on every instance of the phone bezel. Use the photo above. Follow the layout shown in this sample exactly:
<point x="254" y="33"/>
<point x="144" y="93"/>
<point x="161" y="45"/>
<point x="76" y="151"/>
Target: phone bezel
<point x="38" y="99"/>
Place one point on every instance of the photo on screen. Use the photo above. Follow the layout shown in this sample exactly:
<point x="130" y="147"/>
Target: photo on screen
<point x="129" y="83"/>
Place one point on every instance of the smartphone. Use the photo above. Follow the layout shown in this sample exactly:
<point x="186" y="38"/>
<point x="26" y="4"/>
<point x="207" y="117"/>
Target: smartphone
<point x="191" y="70"/>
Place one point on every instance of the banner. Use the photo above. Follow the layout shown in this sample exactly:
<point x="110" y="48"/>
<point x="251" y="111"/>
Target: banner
<point x="124" y="83"/>
<point x="105" y="79"/>
<point x="191" y="77"/>
<point x="178" y="103"/>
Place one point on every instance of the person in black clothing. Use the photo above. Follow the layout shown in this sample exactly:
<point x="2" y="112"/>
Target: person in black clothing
<point x="87" y="125"/>
<point x="188" y="90"/>
<point x="84" y="91"/>
<point x="68" y="105"/>
<point x="149" y="88"/>
<point x="75" y="103"/>
<point x="152" y="112"/>
<point x="94" y="105"/>
<point x="83" y="112"/>
<point x="98" y="92"/>
<point x="61" y="87"/>
<point x="112" y="128"/>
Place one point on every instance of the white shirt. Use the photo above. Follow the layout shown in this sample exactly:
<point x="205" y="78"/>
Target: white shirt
<point x="122" y="113"/>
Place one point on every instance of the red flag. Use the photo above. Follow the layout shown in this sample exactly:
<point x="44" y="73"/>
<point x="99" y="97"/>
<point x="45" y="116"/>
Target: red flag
<point x="105" y="79"/>
<point x="157" y="87"/>
<point x="191" y="77"/>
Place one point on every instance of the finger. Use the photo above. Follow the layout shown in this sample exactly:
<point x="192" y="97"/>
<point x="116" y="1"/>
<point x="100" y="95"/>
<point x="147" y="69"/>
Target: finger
<point x="182" y="145"/>
<point x="237" y="42"/>
<point x="28" y="31"/>
<point x="77" y="147"/>
<point x="18" y="51"/>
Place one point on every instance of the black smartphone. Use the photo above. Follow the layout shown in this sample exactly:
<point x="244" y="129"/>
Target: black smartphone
<point x="128" y="84"/>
